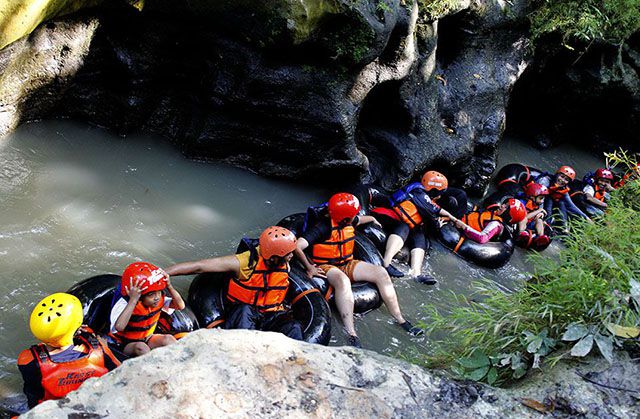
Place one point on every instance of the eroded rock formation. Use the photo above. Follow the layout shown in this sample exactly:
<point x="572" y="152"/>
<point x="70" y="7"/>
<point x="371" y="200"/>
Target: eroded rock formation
<point x="335" y="91"/>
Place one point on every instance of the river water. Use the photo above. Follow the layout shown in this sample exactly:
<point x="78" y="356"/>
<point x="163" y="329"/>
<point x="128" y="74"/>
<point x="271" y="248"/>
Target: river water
<point x="78" y="201"/>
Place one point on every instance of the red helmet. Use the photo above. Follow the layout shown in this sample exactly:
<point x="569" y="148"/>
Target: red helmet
<point x="149" y="276"/>
<point x="604" y="174"/>
<point x="343" y="205"/>
<point x="276" y="241"/>
<point x="535" y="189"/>
<point x="516" y="210"/>
<point x="434" y="180"/>
<point x="567" y="171"/>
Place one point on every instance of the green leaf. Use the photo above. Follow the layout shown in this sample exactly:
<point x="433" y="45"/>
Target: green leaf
<point x="635" y="287"/>
<point x="519" y="372"/>
<point x="478" y="374"/>
<point x="517" y="362"/>
<point x="635" y="290"/>
<point x="605" y="344"/>
<point x="534" y="345"/>
<point x="476" y="360"/>
<point x="492" y="376"/>
<point x="583" y="347"/>
<point x="574" y="332"/>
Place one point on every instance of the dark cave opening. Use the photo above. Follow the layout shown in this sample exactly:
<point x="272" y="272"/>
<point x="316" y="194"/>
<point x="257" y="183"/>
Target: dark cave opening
<point x="384" y="125"/>
<point x="560" y="100"/>
<point x="451" y="38"/>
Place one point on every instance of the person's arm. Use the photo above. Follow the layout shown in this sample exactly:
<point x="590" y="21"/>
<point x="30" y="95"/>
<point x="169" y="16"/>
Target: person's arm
<point x="366" y="219"/>
<point x="32" y="378"/>
<point x="176" y="299"/>
<point x="539" y="213"/>
<point x="134" y="294"/>
<point x="593" y="201"/>
<point x="492" y="229"/>
<point x="447" y="214"/>
<point x="220" y="264"/>
<point x="311" y="269"/>
<point x="426" y="208"/>
<point x="572" y="208"/>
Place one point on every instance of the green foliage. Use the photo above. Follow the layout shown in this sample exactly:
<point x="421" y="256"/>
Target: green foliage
<point x="585" y="298"/>
<point x="435" y="9"/>
<point x="611" y="21"/>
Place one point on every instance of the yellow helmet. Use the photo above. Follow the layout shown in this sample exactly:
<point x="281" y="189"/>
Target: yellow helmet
<point x="56" y="318"/>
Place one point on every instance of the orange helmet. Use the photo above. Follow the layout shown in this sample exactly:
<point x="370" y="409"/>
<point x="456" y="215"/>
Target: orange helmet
<point x="567" y="171"/>
<point x="149" y="276"/>
<point x="434" y="180"/>
<point x="276" y="241"/>
<point x="343" y="205"/>
<point x="516" y="210"/>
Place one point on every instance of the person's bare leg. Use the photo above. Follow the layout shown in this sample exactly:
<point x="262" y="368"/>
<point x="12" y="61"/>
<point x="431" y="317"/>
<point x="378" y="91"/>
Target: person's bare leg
<point x="540" y="227"/>
<point x="378" y="275"/>
<point x="522" y="225"/>
<point x="394" y="245"/>
<point x="417" y="259"/>
<point x="136" y="349"/>
<point x="343" y="298"/>
<point x="156" y="341"/>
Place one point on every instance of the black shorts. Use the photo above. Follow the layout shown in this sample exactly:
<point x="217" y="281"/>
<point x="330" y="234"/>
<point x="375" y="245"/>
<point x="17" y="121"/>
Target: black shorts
<point x="413" y="238"/>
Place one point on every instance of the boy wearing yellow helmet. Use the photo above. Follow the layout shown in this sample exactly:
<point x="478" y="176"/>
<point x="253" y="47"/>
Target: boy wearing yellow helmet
<point x="68" y="355"/>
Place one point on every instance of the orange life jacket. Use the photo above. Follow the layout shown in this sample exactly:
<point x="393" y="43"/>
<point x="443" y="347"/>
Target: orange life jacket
<point x="338" y="249"/>
<point x="142" y="323"/>
<point x="479" y="220"/>
<point x="408" y="212"/>
<point x="599" y="194"/>
<point x="58" y="379"/>
<point x="556" y="192"/>
<point x="531" y="205"/>
<point x="265" y="288"/>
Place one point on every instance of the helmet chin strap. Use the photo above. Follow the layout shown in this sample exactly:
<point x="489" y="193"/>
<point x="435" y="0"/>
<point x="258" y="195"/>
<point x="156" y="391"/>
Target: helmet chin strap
<point x="274" y="261"/>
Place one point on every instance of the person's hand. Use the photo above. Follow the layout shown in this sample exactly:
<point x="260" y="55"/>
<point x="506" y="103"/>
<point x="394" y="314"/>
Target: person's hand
<point x="135" y="291"/>
<point x="539" y="215"/>
<point x="377" y="224"/>
<point x="168" y="279"/>
<point x="313" y="270"/>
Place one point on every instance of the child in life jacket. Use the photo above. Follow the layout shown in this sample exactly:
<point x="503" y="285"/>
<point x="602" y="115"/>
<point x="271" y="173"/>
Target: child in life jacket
<point x="135" y="315"/>
<point x="68" y="355"/>
<point x="597" y="194"/>
<point x="484" y="226"/>
<point x="535" y="195"/>
<point x="559" y="198"/>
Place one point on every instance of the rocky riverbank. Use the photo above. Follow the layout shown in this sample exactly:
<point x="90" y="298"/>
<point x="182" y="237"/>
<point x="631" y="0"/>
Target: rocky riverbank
<point x="216" y="373"/>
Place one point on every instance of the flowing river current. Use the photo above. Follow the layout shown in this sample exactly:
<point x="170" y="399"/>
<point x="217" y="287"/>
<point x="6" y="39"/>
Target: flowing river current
<point x="77" y="201"/>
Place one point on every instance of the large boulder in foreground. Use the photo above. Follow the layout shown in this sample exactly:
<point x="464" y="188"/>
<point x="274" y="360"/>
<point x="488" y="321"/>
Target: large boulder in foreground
<point x="220" y="373"/>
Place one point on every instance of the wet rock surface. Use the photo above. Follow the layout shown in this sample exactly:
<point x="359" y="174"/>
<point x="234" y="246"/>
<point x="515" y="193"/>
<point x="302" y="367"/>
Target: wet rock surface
<point x="213" y="373"/>
<point x="340" y="90"/>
